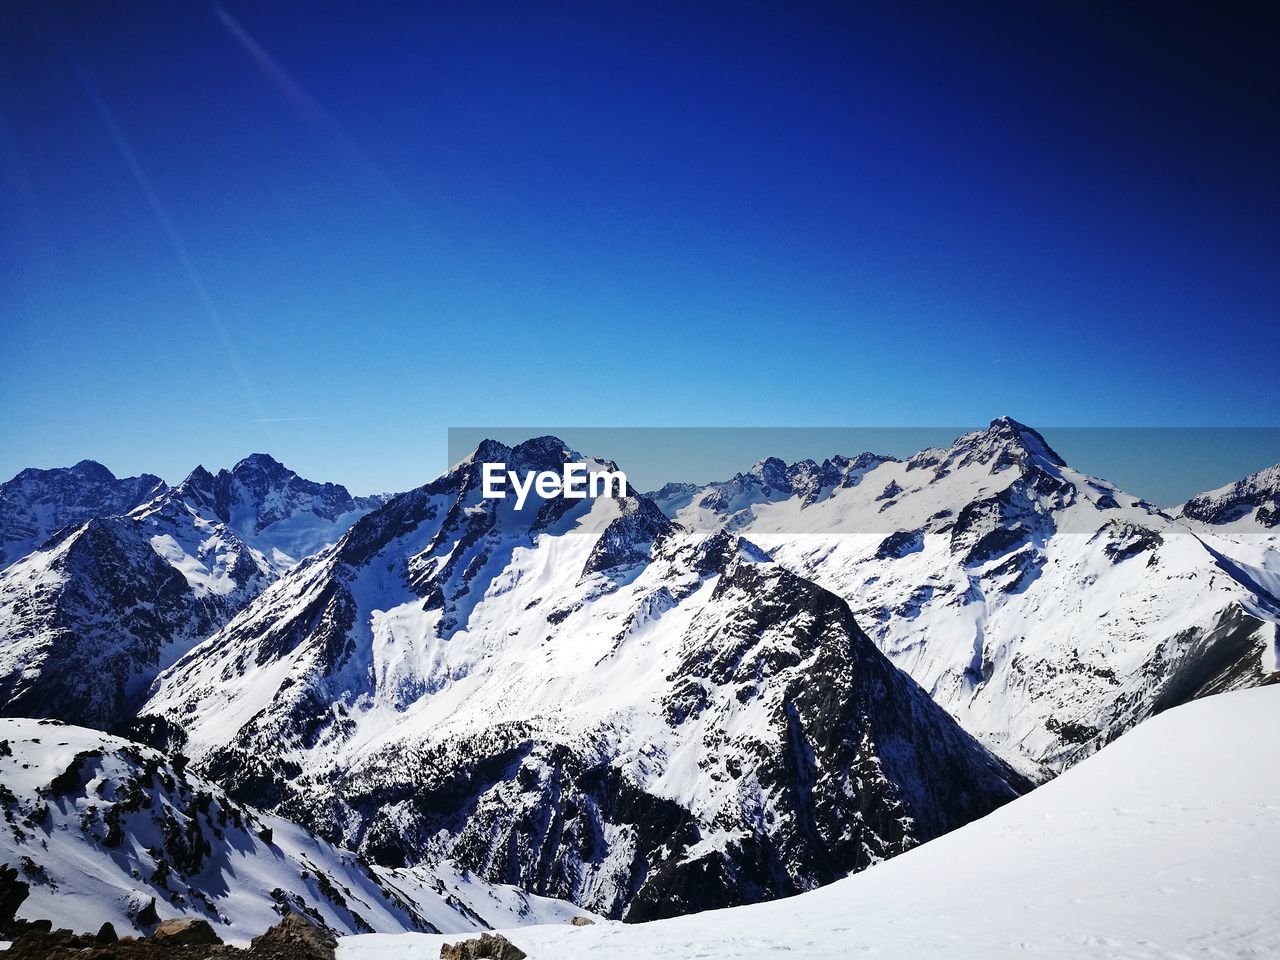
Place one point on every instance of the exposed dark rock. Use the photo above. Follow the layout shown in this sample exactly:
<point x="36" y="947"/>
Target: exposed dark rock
<point x="147" y="915"/>
<point x="12" y="894"/>
<point x="900" y="544"/>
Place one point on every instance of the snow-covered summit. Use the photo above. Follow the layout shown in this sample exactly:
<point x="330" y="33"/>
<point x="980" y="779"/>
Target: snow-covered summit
<point x="1251" y="504"/>
<point x="269" y="507"/>
<point x="1047" y="609"/>
<point x="88" y="620"/>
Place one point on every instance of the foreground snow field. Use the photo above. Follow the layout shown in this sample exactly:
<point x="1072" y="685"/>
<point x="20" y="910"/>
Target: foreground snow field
<point x="1166" y="844"/>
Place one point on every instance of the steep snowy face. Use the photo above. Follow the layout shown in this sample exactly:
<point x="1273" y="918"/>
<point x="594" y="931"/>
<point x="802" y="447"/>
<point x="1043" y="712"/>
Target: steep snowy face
<point x="1047" y="610"/>
<point x="100" y="829"/>
<point x="37" y="503"/>
<point x="87" y="623"/>
<point x="578" y="698"/>
<point x="279" y="514"/>
<point x="1251" y="505"/>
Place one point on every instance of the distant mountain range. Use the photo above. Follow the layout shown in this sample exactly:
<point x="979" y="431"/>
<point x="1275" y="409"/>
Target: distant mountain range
<point x="646" y="704"/>
<point x="128" y="574"/>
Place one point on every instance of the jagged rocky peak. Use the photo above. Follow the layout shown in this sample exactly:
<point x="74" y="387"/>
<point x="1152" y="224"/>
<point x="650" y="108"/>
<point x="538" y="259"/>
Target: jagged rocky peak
<point x="1252" y="501"/>
<point x="37" y="503"/>
<point x="772" y="472"/>
<point x="260" y="491"/>
<point x="773" y="479"/>
<point x="1005" y="443"/>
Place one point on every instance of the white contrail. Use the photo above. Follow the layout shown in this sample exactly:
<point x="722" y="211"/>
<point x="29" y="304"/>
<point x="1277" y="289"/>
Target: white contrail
<point x="179" y="246"/>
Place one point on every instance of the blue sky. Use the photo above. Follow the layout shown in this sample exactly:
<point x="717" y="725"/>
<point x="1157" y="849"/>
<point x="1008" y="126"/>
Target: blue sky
<point x="332" y="231"/>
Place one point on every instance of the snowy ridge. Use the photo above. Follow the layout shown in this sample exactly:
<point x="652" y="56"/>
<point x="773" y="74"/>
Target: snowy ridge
<point x="1164" y="844"/>
<point x="101" y="829"/>
<point x="279" y="515"/>
<point x="1250" y="505"/>
<point x="1047" y="610"/>
<point x="578" y="698"/>
<point x="87" y="623"/>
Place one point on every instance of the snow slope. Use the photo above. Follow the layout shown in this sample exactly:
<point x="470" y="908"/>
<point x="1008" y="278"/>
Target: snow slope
<point x="1163" y="845"/>
<point x="99" y="827"/>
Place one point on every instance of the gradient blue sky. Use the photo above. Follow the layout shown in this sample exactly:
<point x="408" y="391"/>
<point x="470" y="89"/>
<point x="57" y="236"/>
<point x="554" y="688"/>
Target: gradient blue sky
<point x="331" y="231"/>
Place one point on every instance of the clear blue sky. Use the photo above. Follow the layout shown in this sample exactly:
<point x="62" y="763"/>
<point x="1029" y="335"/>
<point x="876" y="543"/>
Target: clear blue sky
<point x="331" y="231"/>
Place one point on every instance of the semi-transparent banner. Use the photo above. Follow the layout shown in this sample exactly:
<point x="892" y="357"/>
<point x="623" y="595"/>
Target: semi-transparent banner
<point x="884" y="480"/>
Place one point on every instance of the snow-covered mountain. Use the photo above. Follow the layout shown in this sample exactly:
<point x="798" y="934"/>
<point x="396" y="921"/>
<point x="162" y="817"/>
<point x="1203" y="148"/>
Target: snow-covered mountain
<point x="100" y="829"/>
<point x="644" y="705"/>
<point x="36" y="504"/>
<point x="1047" y="610"/>
<point x="86" y="623"/>
<point x="1250" y="505"/>
<point x="278" y="514"/>
<point x="90" y="618"/>
<point x="730" y="503"/>
<point x="1162" y="845"/>
<point x="579" y="698"/>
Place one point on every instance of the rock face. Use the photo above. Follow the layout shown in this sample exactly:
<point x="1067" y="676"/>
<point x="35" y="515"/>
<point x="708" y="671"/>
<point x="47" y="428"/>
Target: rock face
<point x="87" y="623"/>
<point x="13" y="892"/>
<point x="577" y="698"/>
<point x="487" y="946"/>
<point x="36" y="504"/>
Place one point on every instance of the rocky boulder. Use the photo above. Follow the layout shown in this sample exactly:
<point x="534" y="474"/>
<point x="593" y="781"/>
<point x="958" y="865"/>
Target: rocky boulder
<point x="186" y="931"/>
<point x="296" y="937"/>
<point x="487" y="946"/>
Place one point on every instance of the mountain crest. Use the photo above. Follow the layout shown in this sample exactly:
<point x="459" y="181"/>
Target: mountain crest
<point x="1005" y="443"/>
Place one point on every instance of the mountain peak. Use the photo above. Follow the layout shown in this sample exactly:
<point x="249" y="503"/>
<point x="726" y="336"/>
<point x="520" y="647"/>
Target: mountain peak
<point x="1254" y="499"/>
<point x="1009" y="430"/>
<point x="772" y="472"/>
<point x="1004" y="443"/>
<point x="262" y="463"/>
<point x="93" y="470"/>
